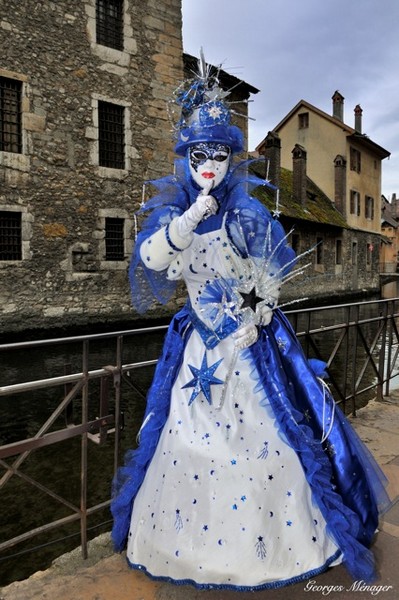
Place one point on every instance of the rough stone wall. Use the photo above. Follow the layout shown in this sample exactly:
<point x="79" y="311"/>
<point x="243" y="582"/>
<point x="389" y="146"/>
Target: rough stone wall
<point x="56" y="183"/>
<point x="356" y="275"/>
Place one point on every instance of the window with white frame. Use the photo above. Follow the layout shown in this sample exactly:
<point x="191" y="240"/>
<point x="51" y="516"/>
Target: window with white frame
<point x="10" y="235"/>
<point x="115" y="238"/>
<point x="15" y="233"/>
<point x="109" y="23"/>
<point x="10" y="115"/>
<point x="111" y="135"/>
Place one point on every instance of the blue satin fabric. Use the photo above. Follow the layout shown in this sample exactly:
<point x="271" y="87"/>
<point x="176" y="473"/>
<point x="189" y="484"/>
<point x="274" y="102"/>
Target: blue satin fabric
<point x="130" y="476"/>
<point x="346" y="483"/>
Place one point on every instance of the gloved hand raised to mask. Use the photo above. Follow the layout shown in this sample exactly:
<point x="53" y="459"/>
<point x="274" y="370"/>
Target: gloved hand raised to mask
<point x="203" y="207"/>
<point x="245" y="336"/>
<point x="161" y="249"/>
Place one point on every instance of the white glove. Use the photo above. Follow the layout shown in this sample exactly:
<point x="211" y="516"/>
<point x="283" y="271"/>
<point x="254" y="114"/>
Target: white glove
<point x="203" y="207"/>
<point x="266" y="315"/>
<point x="245" y="336"/>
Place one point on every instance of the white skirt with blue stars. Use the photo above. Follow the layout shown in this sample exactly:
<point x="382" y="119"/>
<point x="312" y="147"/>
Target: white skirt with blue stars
<point x="225" y="502"/>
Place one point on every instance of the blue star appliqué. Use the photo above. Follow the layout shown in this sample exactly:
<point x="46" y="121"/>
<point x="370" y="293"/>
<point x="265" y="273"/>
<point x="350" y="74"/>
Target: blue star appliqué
<point x="203" y="379"/>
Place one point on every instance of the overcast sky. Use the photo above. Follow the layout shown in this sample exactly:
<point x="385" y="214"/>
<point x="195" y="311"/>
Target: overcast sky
<point x="293" y="50"/>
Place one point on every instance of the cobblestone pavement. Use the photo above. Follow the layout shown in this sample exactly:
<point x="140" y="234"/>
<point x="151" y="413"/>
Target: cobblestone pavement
<point x="105" y="576"/>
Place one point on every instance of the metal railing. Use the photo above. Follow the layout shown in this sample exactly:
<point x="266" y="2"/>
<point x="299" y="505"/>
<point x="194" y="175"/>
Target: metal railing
<point x="359" y="342"/>
<point x="362" y="347"/>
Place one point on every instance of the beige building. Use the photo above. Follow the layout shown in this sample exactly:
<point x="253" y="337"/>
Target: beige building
<point x="390" y="230"/>
<point x="341" y="160"/>
<point x="329" y="175"/>
<point x="389" y="255"/>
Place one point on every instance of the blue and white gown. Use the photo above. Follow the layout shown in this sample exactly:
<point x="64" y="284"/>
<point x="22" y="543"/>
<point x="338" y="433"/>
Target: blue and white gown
<point x="233" y="485"/>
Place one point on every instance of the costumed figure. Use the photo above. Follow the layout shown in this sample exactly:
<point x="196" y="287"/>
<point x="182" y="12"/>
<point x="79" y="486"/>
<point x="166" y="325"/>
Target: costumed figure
<point x="246" y="475"/>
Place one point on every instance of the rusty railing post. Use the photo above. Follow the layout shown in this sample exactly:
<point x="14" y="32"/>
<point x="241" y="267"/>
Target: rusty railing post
<point x="84" y="446"/>
<point x="382" y="354"/>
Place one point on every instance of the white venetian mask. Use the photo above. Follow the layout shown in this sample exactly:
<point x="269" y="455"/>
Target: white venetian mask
<point x="209" y="162"/>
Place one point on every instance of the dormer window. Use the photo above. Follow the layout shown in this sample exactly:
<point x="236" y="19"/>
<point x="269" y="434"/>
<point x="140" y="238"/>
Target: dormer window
<point x="303" y="120"/>
<point x="355" y="160"/>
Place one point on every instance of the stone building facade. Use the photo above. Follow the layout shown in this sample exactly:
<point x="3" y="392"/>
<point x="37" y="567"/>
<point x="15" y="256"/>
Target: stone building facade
<point x="84" y="86"/>
<point x="70" y="187"/>
<point x="77" y="77"/>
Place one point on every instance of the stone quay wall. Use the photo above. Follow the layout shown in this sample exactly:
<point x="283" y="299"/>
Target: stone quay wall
<point x="355" y="277"/>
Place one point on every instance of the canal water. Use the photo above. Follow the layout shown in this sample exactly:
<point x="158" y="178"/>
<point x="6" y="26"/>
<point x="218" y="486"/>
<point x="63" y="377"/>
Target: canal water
<point x="25" y="507"/>
<point x="57" y="467"/>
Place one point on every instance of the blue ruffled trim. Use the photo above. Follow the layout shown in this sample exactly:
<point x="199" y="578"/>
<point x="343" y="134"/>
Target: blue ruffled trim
<point x="238" y="588"/>
<point x="340" y="485"/>
<point x="129" y="477"/>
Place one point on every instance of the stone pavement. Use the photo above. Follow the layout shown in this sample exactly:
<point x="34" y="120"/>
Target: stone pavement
<point x="105" y="576"/>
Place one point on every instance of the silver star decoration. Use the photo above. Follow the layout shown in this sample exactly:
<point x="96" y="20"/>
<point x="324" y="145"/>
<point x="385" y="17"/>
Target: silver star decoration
<point x="224" y="308"/>
<point x="215" y="112"/>
<point x="281" y="343"/>
<point x="330" y="449"/>
<point x="216" y="93"/>
<point x="307" y="416"/>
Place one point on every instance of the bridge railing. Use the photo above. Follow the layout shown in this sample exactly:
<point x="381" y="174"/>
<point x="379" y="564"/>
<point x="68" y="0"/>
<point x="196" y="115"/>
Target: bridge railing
<point x="358" y="341"/>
